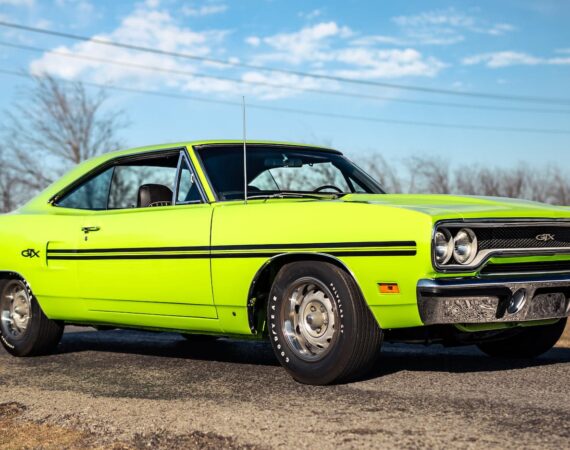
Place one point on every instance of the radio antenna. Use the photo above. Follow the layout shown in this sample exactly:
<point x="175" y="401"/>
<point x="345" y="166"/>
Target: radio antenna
<point x="244" y="153"/>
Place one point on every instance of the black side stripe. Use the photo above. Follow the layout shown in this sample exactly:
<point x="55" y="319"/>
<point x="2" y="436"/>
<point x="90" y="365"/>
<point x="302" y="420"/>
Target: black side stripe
<point x="241" y="247"/>
<point x="226" y="255"/>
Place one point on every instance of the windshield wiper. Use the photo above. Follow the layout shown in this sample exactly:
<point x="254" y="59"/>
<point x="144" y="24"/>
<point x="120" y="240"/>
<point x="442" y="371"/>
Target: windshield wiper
<point x="328" y="195"/>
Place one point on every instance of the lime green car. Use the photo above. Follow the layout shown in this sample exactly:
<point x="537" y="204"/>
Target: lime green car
<point x="305" y="250"/>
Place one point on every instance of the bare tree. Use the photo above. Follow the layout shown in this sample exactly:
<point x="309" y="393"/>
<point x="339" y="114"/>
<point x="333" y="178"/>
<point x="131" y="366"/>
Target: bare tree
<point x="54" y="126"/>
<point x="429" y="174"/>
<point x="386" y="174"/>
<point x="432" y="175"/>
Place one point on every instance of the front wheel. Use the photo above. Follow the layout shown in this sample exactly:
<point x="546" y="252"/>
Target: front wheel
<point x="527" y="343"/>
<point x="24" y="328"/>
<point x="319" y="325"/>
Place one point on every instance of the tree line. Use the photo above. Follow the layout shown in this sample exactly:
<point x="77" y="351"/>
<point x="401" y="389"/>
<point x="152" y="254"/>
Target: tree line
<point x="430" y="174"/>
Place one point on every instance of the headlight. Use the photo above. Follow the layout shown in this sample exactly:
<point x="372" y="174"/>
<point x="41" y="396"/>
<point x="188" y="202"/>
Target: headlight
<point x="443" y="246"/>
<point x="464" y="246"/>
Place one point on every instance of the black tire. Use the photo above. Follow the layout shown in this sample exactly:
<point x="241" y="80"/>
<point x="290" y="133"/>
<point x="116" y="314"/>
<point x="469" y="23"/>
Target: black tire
<point x="356" y="339"/>
<point x="527" y="343"/>
<point x="40" y="336"/>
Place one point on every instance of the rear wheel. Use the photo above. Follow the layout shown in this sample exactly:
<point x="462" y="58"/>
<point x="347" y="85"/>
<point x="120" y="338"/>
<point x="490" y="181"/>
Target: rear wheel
<point x="24" y="328"/>
<point x="527" y="343"/>
<point x="319" y="325"/>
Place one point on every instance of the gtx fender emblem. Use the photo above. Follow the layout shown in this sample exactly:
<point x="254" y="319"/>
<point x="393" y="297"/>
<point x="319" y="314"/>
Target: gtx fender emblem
<point x="544" y="237"/>
<point x="30" y="253"/>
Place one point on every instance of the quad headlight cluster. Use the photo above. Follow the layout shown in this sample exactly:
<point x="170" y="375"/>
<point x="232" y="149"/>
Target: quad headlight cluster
<point x="462" y="246"/>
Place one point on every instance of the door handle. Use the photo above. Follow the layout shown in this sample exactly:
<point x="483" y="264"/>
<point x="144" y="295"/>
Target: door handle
<point x="90" y="229"/>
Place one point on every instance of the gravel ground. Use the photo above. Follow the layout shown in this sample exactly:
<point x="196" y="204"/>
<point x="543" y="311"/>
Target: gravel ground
<point x="134" y="390"/>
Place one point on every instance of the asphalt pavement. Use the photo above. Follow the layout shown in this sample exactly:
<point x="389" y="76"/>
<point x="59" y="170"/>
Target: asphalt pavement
<point x="157" y="390"/>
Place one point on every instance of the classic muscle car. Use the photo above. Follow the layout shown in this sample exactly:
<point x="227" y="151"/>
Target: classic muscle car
<point x="305" y="250"/>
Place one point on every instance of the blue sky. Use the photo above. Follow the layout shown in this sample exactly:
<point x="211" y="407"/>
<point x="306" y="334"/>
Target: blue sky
<point x="512" y="47"/>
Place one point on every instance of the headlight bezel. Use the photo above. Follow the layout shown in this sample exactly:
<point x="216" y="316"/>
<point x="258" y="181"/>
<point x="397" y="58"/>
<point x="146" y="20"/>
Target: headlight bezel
<point x="451" y="264"/>
<point x="450" y="245"/>
<point x="472" y="244"/>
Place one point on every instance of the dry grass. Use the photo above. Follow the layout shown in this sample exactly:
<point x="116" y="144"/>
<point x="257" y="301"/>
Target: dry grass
<point x="18" y="433"/>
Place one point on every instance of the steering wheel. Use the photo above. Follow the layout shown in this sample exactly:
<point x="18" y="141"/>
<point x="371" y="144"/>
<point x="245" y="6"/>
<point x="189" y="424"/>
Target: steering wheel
<point x="328" y="186"/>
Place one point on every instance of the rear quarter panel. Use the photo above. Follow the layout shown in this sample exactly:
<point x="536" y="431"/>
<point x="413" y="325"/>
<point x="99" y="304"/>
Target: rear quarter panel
<point x="24" y="233"/>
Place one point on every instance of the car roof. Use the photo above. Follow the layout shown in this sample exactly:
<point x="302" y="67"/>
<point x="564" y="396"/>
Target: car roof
<point x="206" y="143"/>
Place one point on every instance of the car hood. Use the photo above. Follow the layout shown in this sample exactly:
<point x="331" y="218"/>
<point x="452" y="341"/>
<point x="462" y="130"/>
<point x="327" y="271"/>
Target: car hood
<point x="453" y="206"/>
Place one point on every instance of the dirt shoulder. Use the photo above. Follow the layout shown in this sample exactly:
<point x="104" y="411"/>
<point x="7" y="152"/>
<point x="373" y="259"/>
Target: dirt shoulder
<point x="18" y="433"/>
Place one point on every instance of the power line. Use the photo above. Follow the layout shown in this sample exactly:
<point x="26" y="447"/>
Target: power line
<point x="311" y="112"/>
<point x="517" y="98"/>
<point x="277" y="85"/>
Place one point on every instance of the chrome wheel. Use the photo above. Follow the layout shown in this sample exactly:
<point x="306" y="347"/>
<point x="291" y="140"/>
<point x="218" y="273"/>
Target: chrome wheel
<point x="310" y="319"/>
<point x="16" y="308"/>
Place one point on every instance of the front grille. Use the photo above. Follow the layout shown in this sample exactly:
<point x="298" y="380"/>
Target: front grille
<point x="527" y="267"/>
<point x="522" y="237"/>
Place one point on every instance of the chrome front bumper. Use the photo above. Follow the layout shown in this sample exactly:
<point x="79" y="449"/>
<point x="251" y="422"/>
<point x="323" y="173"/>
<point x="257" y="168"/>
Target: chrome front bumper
<point x="478" y="300"/>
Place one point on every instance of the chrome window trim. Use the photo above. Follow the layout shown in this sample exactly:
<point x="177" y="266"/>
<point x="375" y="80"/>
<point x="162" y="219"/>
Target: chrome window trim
<point x="175" y="202"/>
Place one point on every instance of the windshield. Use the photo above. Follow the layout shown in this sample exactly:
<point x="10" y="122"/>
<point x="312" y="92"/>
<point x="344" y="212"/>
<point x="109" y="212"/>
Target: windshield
<point x="281" y="171"/>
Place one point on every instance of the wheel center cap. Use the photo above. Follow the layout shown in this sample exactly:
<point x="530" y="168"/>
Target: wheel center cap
<point x="315" y="321"/>
<point x="20" y="312"/>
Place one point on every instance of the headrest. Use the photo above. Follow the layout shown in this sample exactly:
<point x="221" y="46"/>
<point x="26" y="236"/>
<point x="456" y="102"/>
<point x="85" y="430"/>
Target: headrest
<point x="154" y="195"/>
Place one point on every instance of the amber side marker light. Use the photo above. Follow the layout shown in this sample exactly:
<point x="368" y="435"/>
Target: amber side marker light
<point x="388" y="288"/>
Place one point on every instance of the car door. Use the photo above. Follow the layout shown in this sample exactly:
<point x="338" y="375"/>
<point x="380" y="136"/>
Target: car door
<point x="57" y="287"/>
<point x="148" y="263"/>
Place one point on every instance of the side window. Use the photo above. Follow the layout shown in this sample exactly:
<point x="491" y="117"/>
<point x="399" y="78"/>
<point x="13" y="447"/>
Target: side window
<point x="135" y="183"/>
<point x="132" y="182"/>
<point x="187" y="188"/>
<point x="92" y="194"/>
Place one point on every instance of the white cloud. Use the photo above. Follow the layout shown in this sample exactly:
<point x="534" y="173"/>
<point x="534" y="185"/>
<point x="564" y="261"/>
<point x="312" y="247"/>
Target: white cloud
<point x="328" y="47"/>
<point x="394" y="63"/>
<point x="442" y="27"/>
<point x="311" y="14"/>
<point x="499" y="29"/>
<point x="325" y="47"/>
<point x="206" y="10"/>
<point x="369" y="41"/>
<point x="294" y="81"/>
<point x="144" y="27"/>
<point x="496" y="60"/>
<point x="309" y="43"/>
<point x="448" y="17"/>
<point x="254" y="41"/>
<point x="27" y="3"/>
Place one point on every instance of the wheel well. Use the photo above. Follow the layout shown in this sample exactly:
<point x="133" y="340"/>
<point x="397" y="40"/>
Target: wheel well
<point x="263" y="280"/>
<point x="7" y="275"/>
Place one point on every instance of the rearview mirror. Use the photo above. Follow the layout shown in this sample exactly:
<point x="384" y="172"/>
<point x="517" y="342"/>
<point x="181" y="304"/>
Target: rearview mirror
<point x="273" y="163"/>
